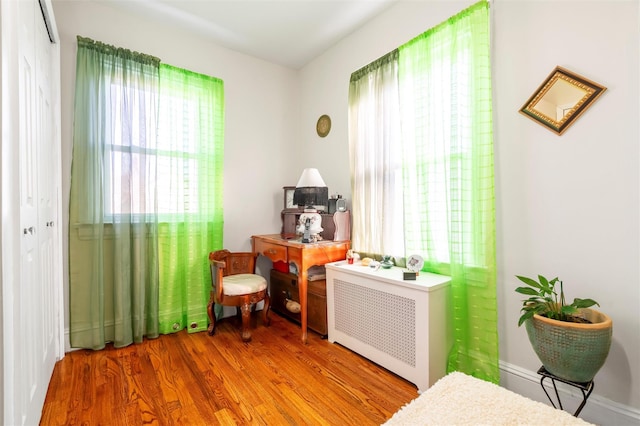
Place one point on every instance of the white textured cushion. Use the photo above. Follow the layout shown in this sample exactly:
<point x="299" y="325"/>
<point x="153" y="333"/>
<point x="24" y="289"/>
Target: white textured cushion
<point x="459" y="399"/>
<point x="235" y="285"/>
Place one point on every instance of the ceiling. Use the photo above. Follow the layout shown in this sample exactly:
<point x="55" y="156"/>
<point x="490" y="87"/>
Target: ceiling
<point x="286" y="32"/>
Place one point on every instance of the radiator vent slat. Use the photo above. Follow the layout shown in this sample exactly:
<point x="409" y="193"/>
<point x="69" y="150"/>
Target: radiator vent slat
<point x="382" y="320"/>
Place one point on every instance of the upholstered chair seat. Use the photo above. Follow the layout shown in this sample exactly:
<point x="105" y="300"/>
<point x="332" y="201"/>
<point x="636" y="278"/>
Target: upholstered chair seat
<point x="235" y="285"/>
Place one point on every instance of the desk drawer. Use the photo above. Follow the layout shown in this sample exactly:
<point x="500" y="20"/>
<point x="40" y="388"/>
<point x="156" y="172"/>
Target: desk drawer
<point x="274" y="252"/>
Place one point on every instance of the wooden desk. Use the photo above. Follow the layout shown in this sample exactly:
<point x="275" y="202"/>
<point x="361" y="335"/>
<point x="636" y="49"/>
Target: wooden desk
<point x="304" y="256"/>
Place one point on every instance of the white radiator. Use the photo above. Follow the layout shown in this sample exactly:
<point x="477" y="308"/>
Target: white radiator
<point x="401" y="325"/>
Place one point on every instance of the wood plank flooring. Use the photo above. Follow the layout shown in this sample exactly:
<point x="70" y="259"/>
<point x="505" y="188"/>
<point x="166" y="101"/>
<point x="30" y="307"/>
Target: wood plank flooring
<point x="196" y="379"/>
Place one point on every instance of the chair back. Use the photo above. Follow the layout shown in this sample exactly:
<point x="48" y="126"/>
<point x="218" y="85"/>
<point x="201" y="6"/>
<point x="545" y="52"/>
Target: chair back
<point x="224" y="263"/>
<point x="235" y="263"/>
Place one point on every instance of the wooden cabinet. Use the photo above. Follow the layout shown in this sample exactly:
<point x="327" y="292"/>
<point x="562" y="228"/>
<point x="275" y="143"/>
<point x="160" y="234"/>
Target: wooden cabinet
<point x="285" y="287"/>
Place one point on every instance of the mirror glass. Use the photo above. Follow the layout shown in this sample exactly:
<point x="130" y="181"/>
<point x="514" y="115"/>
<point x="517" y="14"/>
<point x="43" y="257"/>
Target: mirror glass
<point x="560" y="100"/>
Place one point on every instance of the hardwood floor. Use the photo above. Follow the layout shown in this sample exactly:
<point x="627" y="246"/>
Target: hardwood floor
<point x="196" y="379"/>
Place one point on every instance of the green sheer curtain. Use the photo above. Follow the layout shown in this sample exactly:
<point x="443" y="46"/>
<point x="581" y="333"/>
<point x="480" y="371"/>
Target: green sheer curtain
<point x="113" y="256"/>
<point x="446" y="110"/>
<point x="146" y="196"/>
<point x="191" y="142"/>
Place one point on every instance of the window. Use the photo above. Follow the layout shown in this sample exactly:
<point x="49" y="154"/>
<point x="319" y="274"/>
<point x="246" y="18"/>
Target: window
<point x="157" y="163"/>
<point x="426" y="121"/>
<point x="130" y="151"/>
<point x="420" y="130"/>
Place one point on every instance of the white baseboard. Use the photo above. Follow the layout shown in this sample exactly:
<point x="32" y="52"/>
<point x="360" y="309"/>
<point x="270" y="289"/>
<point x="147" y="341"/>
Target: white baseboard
<point x="598" y="410"/>
<point x="67" y="342"/>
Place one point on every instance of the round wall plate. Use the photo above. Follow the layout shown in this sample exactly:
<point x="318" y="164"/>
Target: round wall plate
<point x="323" y="127"/>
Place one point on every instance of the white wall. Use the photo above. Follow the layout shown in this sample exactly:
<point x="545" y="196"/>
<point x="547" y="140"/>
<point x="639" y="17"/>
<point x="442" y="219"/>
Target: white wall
<point x="569" y="206"/>
<point x="566" y="206"/>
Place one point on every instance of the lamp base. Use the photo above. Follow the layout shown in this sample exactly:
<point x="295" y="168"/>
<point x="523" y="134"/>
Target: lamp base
<point x="310" y="226"/>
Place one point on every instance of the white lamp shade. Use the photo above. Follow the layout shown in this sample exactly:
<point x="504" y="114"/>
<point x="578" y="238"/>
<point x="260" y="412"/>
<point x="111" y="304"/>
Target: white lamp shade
<point x="310" y="178"/>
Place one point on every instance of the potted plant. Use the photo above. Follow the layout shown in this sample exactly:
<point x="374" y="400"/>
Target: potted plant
<point x="571" y="340"/>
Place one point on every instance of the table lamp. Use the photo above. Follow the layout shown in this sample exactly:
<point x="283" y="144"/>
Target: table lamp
<point x="310" y="192"/>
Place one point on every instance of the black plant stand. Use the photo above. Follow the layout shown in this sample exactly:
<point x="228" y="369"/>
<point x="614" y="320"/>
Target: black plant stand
<point x="585" y="387"/>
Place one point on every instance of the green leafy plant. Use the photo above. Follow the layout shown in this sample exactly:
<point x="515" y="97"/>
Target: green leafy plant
<point x="544" y="300"/>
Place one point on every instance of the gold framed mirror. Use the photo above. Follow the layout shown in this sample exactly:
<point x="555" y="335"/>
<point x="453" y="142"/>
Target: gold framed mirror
<point x="561" y="99"/>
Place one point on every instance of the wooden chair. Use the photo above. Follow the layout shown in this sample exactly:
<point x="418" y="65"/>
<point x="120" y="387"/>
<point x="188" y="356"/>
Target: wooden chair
<point x="235" y="283"/>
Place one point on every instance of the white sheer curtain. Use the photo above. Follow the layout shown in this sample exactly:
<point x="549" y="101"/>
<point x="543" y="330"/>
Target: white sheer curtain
<point x="375" y="158"/>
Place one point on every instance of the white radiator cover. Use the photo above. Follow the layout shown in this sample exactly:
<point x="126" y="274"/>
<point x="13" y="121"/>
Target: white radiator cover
<point x="401" y="325"/>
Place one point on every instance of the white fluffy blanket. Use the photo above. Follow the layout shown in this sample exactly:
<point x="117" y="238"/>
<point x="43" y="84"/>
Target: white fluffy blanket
<point x="459" y="399"/>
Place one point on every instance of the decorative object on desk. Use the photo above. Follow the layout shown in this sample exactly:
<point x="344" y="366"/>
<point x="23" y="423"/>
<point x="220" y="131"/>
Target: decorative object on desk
<point x="310" y="226"/>
<point x="571" y="340"/>
<point x="374" y="264"/>
<point x="386" y="262"/>
<point x="341" y="205"/>
<point x="350" y="257"/>
<point x="561" y="99"/>
<point x="415" y="263"/>
<point x="409" y="276"/>
<point x="323" y="126"/>
<point x="289" y="205"/>
<point x="342" y="220"/>
<point x="310" y="192"/>
<point x="331" y="208"/>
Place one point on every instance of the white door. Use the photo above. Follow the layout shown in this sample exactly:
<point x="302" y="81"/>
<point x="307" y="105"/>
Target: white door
<point x="25" y="371"/>
<point x="35" y="325"/>
<point x="45" y="312"/>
